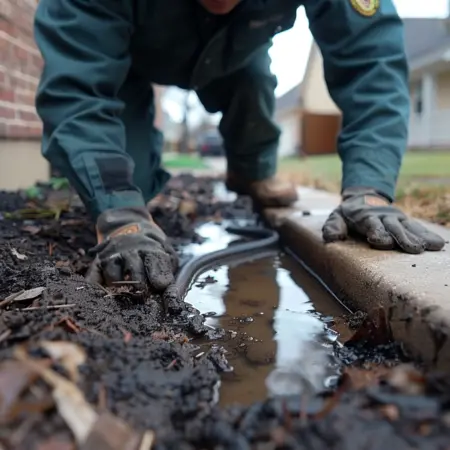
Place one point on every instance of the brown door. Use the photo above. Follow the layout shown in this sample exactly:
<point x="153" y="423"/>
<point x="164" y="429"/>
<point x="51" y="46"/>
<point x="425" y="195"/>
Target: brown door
<point x="319" y="133"/>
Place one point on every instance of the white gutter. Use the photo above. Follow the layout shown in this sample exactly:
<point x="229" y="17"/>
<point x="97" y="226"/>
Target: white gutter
<point x="440" y="55"/>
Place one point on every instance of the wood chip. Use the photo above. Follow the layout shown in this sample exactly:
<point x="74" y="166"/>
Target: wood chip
<point x="147" y="440"/>
<point x="79" y="416"/>
<point x="68" y="354"/>
<point x="30" y="294"/>
<point x="18" y="255"/>
<point x="15" y="377"/>
<point x="8" y="300"/>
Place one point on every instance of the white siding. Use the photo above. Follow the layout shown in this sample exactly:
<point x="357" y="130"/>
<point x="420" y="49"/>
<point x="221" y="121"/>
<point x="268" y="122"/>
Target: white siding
<point x="316" y="98"/>
<point x="289" y="123"/>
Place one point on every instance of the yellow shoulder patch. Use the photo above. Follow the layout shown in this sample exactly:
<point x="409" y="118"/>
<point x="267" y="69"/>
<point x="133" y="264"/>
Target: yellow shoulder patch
<point x="366" y="8"/>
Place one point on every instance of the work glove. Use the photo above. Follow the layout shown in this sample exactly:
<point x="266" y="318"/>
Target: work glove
<point x="131" y="247"/>
<point x="372" y="216"/>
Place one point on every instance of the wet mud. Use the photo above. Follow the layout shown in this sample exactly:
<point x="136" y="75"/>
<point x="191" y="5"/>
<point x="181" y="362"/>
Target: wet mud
<point x="164" y="374"/>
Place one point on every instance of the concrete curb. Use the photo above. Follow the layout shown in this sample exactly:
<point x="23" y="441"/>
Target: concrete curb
<point x="414" y="290"/>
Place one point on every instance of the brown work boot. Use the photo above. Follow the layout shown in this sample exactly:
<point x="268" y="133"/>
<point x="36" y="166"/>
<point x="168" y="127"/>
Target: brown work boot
<point x="271" y="192"/>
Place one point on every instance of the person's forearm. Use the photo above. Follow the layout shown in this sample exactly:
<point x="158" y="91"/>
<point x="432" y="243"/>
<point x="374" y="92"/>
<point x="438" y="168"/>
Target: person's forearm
<point x="367" y="75"/>
<point x="85" y="50"/>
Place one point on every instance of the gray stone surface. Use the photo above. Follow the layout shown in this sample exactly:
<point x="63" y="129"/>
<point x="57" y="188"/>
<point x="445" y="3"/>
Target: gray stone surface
<point x="413" y="289"/>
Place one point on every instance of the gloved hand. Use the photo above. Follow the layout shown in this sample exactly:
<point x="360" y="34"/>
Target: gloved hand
<point x="372" y="216"/>
<point x="131" y="247"/>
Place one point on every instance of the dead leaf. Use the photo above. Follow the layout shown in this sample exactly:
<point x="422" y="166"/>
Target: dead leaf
<point x="30" y="294"/>
<point x="9" y="299"/>
<point x="73" y="222"/>
<point x="15" y="377"/>
<point x="31" y="407"/>
<point x="55" y="444"/>
<point x="375" y="330"/>
<point x="391" y="412"/>
<point x="60" y="264"/>
<point x="187" y="208"/>
<point x="406" y="379"/>
<point x="111" y="433"/>
<point x="341" y="327"/>
<point x="18" y="255"/>
<point x="79" y="416"/>
<point x="333" y="401"/>
<point x="31" y="229"/>
<point x="68" y="354"/>
<point x="365" y="377"/>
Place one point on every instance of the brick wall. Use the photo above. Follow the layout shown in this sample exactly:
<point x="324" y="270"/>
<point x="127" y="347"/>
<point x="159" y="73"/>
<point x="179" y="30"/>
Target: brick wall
<point x="20" y="67"/>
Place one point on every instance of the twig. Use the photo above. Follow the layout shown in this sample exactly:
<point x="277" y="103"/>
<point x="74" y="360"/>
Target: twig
<point x="127" y="336"/>
<point x="35" y="308"/>
<point x="147" y="440"/>
<point x="10" y="298"/>
<point x="102" y="398"/>
<point x="91" y="330"/>
<point x="5" y="335"/>
<point x="171" y="365"/>
<point x="127" y="282"/>
<point x="103" y="288"/>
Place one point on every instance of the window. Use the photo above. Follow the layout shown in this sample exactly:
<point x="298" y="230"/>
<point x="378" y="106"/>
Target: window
<point x="418" y="99"/>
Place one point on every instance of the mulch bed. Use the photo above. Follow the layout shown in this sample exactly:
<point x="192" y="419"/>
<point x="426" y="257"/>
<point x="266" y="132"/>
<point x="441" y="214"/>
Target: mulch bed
<point x="88" y="367"/>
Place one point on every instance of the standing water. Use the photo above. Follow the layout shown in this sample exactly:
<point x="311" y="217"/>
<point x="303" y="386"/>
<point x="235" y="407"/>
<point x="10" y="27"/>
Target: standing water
<point x="274" y="314"/>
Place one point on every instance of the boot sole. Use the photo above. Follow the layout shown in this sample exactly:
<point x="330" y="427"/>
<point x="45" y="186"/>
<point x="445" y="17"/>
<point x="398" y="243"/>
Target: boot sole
<point x="282" y="202"/>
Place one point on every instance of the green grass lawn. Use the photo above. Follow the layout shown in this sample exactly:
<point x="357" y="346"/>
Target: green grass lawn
<point x="423" y="189"/>
<point x="420" y="166"/>
<point x="179" y="161"/>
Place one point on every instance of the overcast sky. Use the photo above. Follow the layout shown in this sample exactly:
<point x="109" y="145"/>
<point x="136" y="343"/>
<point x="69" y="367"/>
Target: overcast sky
<point x="291" y="48"/>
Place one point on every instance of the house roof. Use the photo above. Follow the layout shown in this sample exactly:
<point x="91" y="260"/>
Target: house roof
<point x="426" y="40"/>
<point x="290" y="100"/>
<point x="424" y="35"/>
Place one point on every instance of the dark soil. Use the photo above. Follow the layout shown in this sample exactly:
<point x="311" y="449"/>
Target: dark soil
<point x="144" y="367"/>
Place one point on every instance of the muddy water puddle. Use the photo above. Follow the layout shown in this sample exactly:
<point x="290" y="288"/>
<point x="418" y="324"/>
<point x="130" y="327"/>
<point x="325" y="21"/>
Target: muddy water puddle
<point x="275" y="319"/>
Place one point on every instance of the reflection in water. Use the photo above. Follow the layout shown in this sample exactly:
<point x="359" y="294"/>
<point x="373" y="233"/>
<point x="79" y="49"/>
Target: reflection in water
<point x="270" y="309"/>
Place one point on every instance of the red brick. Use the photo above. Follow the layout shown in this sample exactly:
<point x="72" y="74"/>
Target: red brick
<point x="28" y="116"/>
<point x="7" y="113"/>
<point x="23" y="131"/>
<point x="19" y="56"/>
<point x="24" y="98"/>
<point x="6" y="95"/>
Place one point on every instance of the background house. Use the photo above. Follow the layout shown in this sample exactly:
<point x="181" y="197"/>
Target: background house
<point x="427" y="43"/>
<point x="428" y="51"/>
<point x="21" y="163"/>
<point x="288" y="113"/>
<point x="321" y="117"/>
<point x="307" y="115"/>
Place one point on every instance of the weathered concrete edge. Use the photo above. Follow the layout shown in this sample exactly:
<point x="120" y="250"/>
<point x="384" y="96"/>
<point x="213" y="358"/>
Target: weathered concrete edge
<point x="414" y="290"/>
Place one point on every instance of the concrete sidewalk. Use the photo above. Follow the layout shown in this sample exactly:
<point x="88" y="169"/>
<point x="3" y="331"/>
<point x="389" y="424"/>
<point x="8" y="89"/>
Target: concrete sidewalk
<point x="414" y="290"/>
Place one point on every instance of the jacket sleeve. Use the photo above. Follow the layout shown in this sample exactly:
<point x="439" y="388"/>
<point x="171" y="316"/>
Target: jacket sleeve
<point x="84" y="44"/>
<point x="366" y="74"/>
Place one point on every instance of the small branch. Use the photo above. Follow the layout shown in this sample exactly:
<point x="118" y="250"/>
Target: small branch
<point x="5" y="335"/>
<point x="36" y="308"/>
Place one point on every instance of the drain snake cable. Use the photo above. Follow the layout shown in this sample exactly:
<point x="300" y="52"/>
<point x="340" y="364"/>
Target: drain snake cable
<point x="265" y="243"/>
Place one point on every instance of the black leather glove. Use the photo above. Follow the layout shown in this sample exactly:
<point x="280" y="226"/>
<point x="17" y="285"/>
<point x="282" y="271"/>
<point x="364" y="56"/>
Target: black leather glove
<point x="372" y="216"/>
<point x="131" y="247"/>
